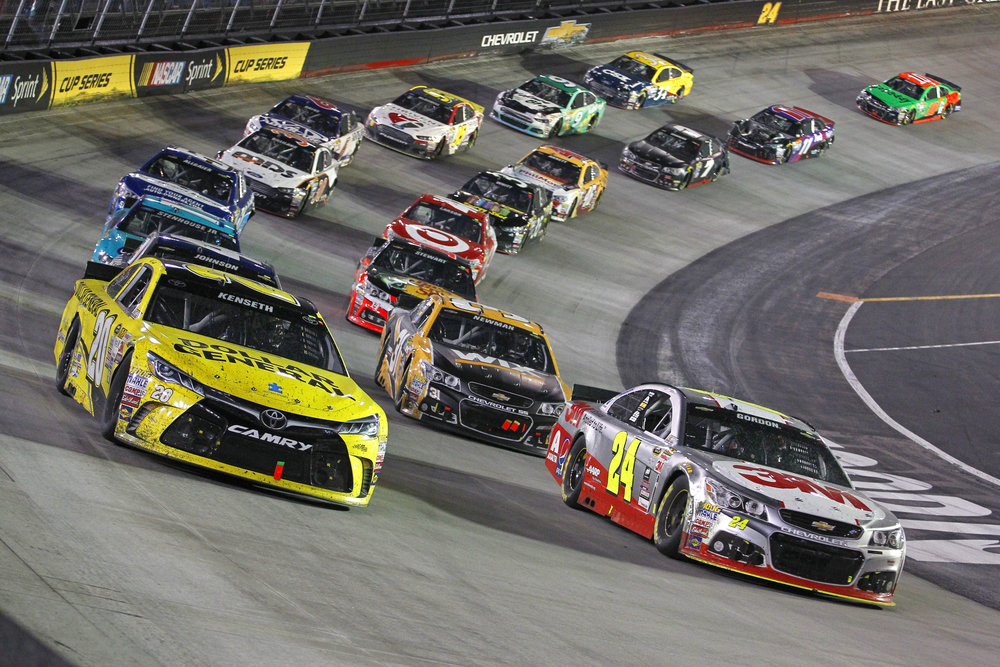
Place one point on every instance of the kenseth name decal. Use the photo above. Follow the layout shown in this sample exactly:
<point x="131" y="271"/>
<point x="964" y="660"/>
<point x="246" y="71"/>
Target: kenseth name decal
<point x="269" y="437"/>
<point x="246" y="302"/>
<point x="507" y="38"/>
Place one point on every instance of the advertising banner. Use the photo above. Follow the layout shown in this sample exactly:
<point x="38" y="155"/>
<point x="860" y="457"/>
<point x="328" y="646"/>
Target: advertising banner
<point x="79" y="81"/>
<point x="25" y="86"/>
<point x="265" y="62"/>
<point x="162" y="73"/>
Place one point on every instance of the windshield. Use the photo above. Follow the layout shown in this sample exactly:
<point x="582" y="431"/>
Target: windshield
<point x="440" y="217"/>
<point x="633" y="68"/>
<point x="769" y="119"/>
<point x="553" y="167"/>
<point x="474" y="333"/>
<point x="547" y="92"/>
<point x="505" y="193"/>
<point x="425" y="106"/>
<point x="314" y="118"/>
<point x="242" y="317"/>
<point x="189" y="174"/>
<point x="908" y="88"/>
<point x="675" y="144"/>
<point x="413" y="263"/>
<point x="144" y="221"/>
<point x="757" y="440"/>
<point x="281" y="148"/>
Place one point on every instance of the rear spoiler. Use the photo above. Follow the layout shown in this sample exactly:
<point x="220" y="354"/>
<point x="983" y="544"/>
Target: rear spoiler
<point x="675" y="62"/>
<point x="946" y="82"/>
<point x="582" y="392"/>
<point x="103" y="272"/>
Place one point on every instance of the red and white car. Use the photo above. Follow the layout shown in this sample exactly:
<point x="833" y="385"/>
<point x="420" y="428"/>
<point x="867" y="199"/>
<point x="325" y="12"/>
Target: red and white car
<point x="450" y="227"/>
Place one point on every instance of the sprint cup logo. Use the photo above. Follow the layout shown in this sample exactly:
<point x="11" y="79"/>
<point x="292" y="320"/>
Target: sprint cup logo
<point x="23" y="88"/>
<point x="168" y="73"/>
<point x="177" y="72"/>
<point x="206" y="69"/>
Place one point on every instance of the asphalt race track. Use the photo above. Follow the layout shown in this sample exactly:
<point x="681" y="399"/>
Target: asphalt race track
<point x="466" y="555"/>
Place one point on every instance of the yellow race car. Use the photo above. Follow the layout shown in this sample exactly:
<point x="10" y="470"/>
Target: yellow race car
<point x="636" y="80"/>
<point x="466" y="367"/>
<point x="223" y="372"/>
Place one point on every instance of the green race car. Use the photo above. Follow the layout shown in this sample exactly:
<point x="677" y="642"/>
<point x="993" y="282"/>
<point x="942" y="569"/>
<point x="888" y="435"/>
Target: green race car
<point x="549" y="106"/>
<point x="911" y="98"/>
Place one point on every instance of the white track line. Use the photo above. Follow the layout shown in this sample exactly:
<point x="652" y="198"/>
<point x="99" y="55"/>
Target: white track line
<point x="838" y="351"/>
<point x="923" y="347"/>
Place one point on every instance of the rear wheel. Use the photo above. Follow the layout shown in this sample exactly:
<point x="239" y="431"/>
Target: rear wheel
<point x="668" y="524"/>
<point x="572" y="481"/>
<point x="592" y="123"/>
<point x="947" y="110"/>
<point x="66" y="358"/>
<point x="472" y="140"/>
<point x="378" y="365"/>
<point x="680" y="92"/>
<point x="112" y="404"/>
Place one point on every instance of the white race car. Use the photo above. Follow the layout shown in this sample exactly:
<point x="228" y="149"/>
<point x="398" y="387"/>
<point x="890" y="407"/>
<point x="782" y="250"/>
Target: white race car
<point x="425" y="123"/>
<point x="286" y="171"/>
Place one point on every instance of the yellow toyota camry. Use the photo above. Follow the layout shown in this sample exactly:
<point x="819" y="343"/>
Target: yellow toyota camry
<point x="222" y="372"/>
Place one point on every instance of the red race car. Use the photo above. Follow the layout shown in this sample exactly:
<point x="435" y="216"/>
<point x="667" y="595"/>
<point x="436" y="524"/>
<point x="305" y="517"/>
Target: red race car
<point x="448" y="226"/>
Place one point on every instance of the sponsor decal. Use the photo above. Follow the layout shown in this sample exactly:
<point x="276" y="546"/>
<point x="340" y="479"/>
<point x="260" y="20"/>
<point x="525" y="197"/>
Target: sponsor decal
<point x="782" y="480"/>
<point x="205" y="72"/>
<point x="495" y="406"/>
<point x="757" y="420"/>
<point x="575" y="412"/>
<point x="246" y="302"/>
<point x="90" y="300"/>
<point x="404" y="121"/>
<point x="593" y="470"/>
<point x="478" y="359"/>
<point x="272" y="438"/>
<point x="25" y="86"/>
<point x="593" y="422"/>
<point x="700" y="531"/>
<point x="436" y="238"/>
<point x="275" y="387"/>
<point x="509" y="38"/>
<point x="694" y="542"/>
<point x="567" y="33"/>
<point x="77" y="81"/>
<point x="907" y="5"/>
<point x="163" y="73"/>
<point x="265" y="62"/>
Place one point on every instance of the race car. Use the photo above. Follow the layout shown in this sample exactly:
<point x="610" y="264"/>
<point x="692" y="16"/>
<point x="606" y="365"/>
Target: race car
<point x="425" y="123"/>
<point x="197" y="181"/>
<point x="675" y="157"/>
<point x="781" y="134"/>
<point x="400" y="274"/>
<point x="181" y="249"/>
<point x="911" y="98"/>
<point x="287" y="172"/>
<point x="549" y="106"/>
<point x="222" y="372"/>
<point x="476" y="370"/>
<point x="319" y="121"/>
<point x="574" y="182"/>
<point x="519" y="211"/>
<point x="727" y="483"/>
<point x="126" y="229"/>
<point x="448" y="226"/>
<point x="636" y="80"/>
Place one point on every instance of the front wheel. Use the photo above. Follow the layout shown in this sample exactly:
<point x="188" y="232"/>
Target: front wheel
<point x="112" y="404"/>
<point x="572" y="481"/>
<point x="66" y="358"/>
<point x="641" y="102"/>
<point x="439" y="151"/>
<point x="908" y="118"/>
<point x="399" y="401"/>
<point x="668" y="525"/>
<point x="557" y="129"/>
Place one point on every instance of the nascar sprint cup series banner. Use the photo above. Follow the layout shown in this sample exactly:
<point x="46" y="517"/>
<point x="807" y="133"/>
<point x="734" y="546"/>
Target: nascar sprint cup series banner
<point x="25" y="86"/>
<point x="162" y="73"/>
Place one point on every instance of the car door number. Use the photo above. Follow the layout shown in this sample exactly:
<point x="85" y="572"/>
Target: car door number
<point x="621" y="471"/>
<point x="99" y="347"/>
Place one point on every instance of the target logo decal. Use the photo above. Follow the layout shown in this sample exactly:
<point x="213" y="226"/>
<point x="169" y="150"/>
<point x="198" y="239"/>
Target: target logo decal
<point x="436" y="238"/>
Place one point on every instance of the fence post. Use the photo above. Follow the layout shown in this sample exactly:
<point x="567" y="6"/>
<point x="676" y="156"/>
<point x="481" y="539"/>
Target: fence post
<point x="319" y="14"/>
<point x="55" y="24"/>
<point x="232" y="17"/>
<point x="187" y="21"/>
<point x="145" y="17"/>
<point x="100" y="21"/>
<point x="277" y="8"/>
<point x="451" y="6"/>
<point x="406" y="9"/>
<point x="364" y="6"/>
<point x="13" y="24"/>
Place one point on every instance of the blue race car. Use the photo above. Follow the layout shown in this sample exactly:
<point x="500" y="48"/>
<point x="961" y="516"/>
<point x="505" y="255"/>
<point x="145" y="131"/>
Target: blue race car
<point x="319" y="121"/>
<point x="126" y="228"/>
<point x="194" y="180"/>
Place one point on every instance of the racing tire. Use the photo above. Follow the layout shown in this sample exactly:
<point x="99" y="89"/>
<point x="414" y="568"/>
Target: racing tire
<point x="641" y="101"/>
<point x="908" y="118"/>
<point x="668" y="524"/>
<point x="572" y="209"/>
<point x="680" y="93"/>
<point x="472" y="140"/>
<point x="66" y="358"/>
<point x="572" y="481"/>
<point x="592" y="123"/>
<point x="948" y="109"/>
<point x="112" y="404"/>
<point x="378" y="365"/>
<point x="557" y="129"/>
<point x="439" y="151"/>
<point x="400" y="397"/>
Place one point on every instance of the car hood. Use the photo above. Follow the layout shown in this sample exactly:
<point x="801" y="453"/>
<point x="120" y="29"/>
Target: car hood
<point x="261" y="377"/>
<point x="518" y="100"/>
<point x="263" y="169"/>
<point x="435" y="238"/>
<point x="407" y="121"/>
<point x="890" y="97"/>
<point x="144" y="184"/>
<point x="268" y="120"/>
<point x="797" y="492"/>
<point x="498" y="373"/>
<point x="610" y="76"/>
<point x="396" y="285"/>
<point x="532" y="176"/>
<point x="646" y="151"/>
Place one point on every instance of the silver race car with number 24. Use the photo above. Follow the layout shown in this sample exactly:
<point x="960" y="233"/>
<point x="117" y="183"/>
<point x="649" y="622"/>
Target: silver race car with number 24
<point x="727" y="483"/>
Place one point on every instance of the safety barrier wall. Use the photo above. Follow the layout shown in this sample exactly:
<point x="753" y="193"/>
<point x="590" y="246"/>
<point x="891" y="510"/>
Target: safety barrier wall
<point x="42" y="84"/>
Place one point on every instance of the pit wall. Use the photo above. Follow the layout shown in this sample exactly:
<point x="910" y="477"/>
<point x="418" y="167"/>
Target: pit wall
<point x="34" y="85"/>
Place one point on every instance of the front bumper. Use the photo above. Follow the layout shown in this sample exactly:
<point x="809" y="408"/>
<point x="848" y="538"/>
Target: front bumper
<point x="523" y="122"/>
<point x="612" y="96"/>
<point x="652" y="175"/>
<point x="273" y="200"/>
<point x="879" y="111"/>
<point x="367" y="313"/>
<point x="398" y="140"/>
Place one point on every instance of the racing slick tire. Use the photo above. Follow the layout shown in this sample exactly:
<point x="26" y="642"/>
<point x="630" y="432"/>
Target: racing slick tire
<point x="572" y="481"/>
<point x="112" y="404"/>
<point x="472" y="140"/>
<point x="948" y="109"/>
<point x="400" y="398"/>
<point x="908" y="118"/>
<point x="640" y="101"/>
<point x="378" y="365"/>
<point x="557" y="129"/>
<point x="680" y="93"/>
<point x="591" y="124"/>
<point x="668" y="525"/>
<point x="66" y="358"/>
<point x="439" y="151"/>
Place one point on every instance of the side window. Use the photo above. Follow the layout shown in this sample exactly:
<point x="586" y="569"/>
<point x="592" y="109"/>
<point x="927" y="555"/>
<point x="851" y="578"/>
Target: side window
<point x="118" y="283"/>
<point x="932" y="93"/>
<point x="591" y="173"/>
<point x="131" y="296"/>
<point x="578" y="101"/>
<point x="705" y="149"/>
<point x="347" y="123"/>
<point x="324" y="160"/>
<point x="464" y="114"/>
<point x="421" y="312"/>
<point x="643" y="408"/>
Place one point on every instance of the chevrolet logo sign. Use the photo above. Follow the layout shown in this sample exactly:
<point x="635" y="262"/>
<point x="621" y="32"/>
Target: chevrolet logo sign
<point x="823" y="525"/>
<point x="501" y="397"/>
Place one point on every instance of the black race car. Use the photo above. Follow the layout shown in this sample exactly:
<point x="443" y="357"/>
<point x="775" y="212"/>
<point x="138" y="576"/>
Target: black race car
<point x="519" y="211"/>
<point x="781" y="134"/>
<point x="676" y="157"/>
<point x="400" y="273"/>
